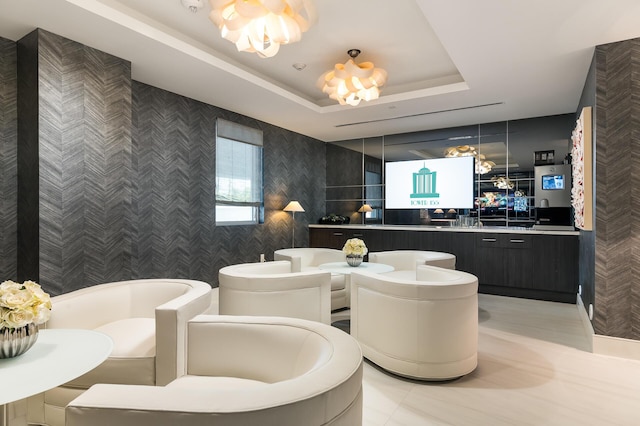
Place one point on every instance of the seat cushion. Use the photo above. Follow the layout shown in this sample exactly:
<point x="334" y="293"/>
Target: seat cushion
<point x="132" y="360"/>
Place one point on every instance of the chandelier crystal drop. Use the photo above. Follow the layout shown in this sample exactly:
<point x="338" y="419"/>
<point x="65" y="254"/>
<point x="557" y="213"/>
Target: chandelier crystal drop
<point x="261" y="26"/>
<point x="350" y="83"/>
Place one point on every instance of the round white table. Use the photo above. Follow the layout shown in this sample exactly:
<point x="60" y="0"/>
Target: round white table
<point x="344" y="268"/>
<point x="58" y="356"/>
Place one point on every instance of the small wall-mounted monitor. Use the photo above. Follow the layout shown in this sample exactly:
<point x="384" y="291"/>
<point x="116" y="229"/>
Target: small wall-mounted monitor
<point x="552" y="182"/>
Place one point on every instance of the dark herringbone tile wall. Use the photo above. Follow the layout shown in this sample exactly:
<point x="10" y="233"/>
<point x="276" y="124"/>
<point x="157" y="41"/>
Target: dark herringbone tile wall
<point x="617" y="145"/>
<point x="174" y="167"/>
<point x="8" y="160"/>
<point x="75" y="164"/>
<point x="118" y="177"/>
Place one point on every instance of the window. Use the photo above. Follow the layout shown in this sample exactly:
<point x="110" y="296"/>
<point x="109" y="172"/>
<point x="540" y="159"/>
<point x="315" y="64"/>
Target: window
<point x="238" y="174"/>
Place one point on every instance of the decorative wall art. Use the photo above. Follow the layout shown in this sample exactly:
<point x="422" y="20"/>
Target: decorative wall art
<point x="582" y="172"/>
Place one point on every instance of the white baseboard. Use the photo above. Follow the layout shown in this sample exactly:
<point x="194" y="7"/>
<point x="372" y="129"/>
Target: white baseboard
<point x="616" y="346"/>
<point x="584" y="319"/>
<point x="607" y="345"/>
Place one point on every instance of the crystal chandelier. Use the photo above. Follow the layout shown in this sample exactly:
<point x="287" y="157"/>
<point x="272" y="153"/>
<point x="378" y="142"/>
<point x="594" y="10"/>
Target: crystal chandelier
<point x="349" y="83"/>
<point x="261" y="26"/>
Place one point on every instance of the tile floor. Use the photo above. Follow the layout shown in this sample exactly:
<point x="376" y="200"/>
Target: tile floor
<point x="534" y="368"/>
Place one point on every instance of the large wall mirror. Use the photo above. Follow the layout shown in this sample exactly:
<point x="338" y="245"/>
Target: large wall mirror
<point x="506" y="154"/>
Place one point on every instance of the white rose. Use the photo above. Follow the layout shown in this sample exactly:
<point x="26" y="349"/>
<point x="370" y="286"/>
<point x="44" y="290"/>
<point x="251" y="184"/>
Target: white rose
<point x="14" y="298"/>
<point x="18" y="318"/>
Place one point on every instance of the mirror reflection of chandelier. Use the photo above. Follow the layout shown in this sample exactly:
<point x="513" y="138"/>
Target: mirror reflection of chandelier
<point x="502" y="182"/>
<point x="482" y="164"/>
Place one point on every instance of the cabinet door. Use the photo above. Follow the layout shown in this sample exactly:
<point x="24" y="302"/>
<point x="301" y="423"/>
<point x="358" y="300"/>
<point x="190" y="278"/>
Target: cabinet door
<point x="490" y="260"/>
<point x="463" y="246"/>
<point x="519" y="260"/>
<point x="556" y="263"/>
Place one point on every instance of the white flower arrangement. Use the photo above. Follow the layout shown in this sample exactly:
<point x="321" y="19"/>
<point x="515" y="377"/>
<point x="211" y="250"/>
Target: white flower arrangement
<point x="355" y="247"/>
<point x="22" y="304"/>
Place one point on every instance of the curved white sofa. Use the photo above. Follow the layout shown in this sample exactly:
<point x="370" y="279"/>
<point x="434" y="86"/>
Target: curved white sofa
<point x="405" y="262"/>
<point x="425" y="328"/>
<point x="271" y="288"/>
<point x="306" y="259"/>
<point x="243" y="371"/>
<point x="147" y="321"/>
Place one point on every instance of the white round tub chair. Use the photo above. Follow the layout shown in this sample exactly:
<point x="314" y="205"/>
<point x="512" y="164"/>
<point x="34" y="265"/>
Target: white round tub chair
<point x="405" y="262"/>
<point x="424" y="328"/>
<point x="147" y="321"/>
<point x="271" y="288"/>
<point x="305" y="259"/>
<point x="243" y="371"/>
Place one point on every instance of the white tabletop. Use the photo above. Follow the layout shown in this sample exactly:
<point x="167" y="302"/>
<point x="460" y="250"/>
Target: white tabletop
<point x="344" y="268"/>
<point x="59" y="355"/>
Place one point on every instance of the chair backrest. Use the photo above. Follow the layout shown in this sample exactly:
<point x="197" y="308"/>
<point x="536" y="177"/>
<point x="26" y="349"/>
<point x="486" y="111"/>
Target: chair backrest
<point x="305" y="257"/>
<point x="403" y="260"/>
<point x="305" y="295"/>
<point x="268" y="352"/>
<point x="94" y="306"/>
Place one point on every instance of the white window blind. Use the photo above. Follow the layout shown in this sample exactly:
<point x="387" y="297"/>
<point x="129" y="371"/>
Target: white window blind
<point x="238" y="174"/>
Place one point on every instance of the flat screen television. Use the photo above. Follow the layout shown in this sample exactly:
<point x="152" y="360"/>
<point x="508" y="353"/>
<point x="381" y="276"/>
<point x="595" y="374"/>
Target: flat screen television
<point x="552" y="182"/>
<point x="430" y="184"/>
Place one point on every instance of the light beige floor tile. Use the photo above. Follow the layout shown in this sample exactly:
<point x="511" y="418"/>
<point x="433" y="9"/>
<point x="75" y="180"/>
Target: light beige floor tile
<point x="532" y="370"/>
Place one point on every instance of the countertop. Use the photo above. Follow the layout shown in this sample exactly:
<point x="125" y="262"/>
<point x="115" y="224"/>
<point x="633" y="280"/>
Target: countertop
<point x="446" y="228"/>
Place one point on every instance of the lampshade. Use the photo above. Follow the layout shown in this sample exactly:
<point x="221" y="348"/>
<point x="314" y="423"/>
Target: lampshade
<point x="349" y="83"/>
<point x="261" y="26"/>
<point x="293" y="206"/>
<point x="365" y="208"/>
<point x="438" y="211"/>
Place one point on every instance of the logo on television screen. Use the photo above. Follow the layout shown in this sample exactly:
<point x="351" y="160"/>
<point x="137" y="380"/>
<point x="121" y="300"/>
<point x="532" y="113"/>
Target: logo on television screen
<point x="424" y="184"/>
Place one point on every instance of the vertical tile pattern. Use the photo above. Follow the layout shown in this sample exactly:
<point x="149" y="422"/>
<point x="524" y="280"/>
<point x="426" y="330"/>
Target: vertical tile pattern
<point x="174" y="190"/>
<point x="83" y="157"/>
<point x="617" y="242"/>
<point x="8" y="160"/>
<point x="118" y="177"/>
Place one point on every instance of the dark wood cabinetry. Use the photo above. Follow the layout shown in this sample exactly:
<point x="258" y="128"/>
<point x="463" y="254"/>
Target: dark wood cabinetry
<point x="530" y="265"/>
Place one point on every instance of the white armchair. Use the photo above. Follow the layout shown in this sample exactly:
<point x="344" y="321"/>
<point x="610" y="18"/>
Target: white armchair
<point x="271" y="288"/>
<point x="308" y="258"/>
<point x="242" y="370"/>
<point x="405" y="262"/>
<point x="429" y="329"/>
<point x="146" y="319"/>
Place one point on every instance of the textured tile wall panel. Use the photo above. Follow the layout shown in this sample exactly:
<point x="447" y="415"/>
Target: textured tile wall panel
<point x="174" y="189"/>
<point x="84" y="165"/>
<point x="617" y="242"/>
<point x="119" y="177"/>
<point x="8" y="160"/>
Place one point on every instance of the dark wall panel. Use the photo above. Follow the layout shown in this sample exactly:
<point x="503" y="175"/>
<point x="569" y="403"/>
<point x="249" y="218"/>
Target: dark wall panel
<point x="174" y="184"/>
<point x="8" y="159"/>
<point x="83" y="156"/>
<point x="617" y="240"/>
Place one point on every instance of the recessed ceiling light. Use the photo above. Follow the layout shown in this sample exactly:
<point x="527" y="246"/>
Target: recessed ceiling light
<point x="299" y="66"/>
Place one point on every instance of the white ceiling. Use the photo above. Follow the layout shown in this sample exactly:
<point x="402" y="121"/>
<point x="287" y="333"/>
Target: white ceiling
<point x="450" y="63"/>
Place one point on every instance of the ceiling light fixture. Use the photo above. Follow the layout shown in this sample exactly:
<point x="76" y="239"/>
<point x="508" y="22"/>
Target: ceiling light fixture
<point x="193" y="5"/>
<point x="261" y="26"/>
<point x="349" y="83"/>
